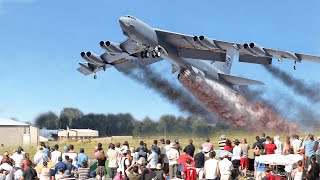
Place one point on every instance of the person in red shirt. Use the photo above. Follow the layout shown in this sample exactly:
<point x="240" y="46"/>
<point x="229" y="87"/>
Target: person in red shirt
<point x="271" y="147"/>
<point x="228" y="146"/>
<point x="269" y="176"/>
<point x="190" y="172"/>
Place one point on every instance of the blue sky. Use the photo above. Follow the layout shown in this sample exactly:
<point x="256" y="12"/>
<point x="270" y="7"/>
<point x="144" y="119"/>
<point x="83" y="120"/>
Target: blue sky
<point x="40" y="43"/>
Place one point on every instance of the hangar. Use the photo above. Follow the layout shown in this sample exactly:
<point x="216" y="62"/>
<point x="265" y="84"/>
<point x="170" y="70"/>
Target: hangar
<point x="78" y="134"/>
<point x="15" y="133"/>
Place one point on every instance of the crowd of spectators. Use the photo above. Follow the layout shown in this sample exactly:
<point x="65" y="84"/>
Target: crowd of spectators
<point x="166" y="159"/>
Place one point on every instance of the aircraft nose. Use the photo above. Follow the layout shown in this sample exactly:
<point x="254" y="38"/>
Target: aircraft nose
<point x="123" y="21"/>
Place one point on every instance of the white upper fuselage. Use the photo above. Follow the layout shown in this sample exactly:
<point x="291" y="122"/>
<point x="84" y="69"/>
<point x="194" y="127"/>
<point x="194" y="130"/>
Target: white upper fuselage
<point x="141" y="32"/>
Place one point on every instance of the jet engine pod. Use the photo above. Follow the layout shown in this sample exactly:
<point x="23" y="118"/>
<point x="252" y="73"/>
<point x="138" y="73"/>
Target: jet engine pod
<point x="94" y="58"/>
<point x="257" y="49"/>
<point x="207" y="42"/>
<point x="110" y="46"/>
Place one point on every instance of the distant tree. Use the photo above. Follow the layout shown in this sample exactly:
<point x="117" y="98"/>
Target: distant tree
<point x="68" y="116"/>
<point x="48" y="120"/>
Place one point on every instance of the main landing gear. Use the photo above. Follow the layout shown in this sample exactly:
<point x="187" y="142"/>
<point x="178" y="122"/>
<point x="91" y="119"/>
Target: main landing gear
<point x="154" y="53"/>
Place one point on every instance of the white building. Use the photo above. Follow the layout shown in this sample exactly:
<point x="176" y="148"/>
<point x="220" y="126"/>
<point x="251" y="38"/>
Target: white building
<point x="78" y="134"/>
<point x="15" y="133"/>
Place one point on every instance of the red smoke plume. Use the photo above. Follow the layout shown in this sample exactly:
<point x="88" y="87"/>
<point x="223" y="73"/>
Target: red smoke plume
<point x="234" y="109"/>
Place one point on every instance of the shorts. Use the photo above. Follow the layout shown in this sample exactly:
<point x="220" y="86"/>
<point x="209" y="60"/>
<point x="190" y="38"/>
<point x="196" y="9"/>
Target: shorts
<point x="236" y="163"/>
<point x="244" y="162"/>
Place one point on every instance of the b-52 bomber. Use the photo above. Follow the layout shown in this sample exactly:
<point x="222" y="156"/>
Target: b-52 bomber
<point x="146" y="45"/>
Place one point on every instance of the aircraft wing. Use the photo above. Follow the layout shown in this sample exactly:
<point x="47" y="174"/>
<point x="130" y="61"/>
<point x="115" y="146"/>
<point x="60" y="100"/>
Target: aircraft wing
<point x="202" y="47"/>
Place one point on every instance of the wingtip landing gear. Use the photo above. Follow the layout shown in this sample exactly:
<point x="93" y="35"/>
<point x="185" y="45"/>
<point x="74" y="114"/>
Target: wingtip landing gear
<point x="95" y="76"/>
<point x="294" y="67"/>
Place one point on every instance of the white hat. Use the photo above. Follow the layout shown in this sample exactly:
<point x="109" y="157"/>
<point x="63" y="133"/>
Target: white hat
<point x="159" y="166"/>
<point x="172" y="145"/>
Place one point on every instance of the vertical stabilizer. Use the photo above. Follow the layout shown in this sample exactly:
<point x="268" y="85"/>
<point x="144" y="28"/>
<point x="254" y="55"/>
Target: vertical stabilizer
<point x="225" y="66"/>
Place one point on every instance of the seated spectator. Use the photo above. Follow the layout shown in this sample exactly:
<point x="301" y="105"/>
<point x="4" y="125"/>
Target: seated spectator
<point x="60" y="165"/>
<point x="268" y="175"/>
<point x="134" y="175"/>
<point x="119" y="175"/>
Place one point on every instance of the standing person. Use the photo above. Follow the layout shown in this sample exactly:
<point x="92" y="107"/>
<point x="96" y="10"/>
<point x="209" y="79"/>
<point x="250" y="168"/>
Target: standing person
<point x="72" y="155"/>
<point x="153" y="159"/>
<point x="29" y="173"/>
<point x="207" y="144"/>
<point x="211" y="168"/>
<point x="155" y="147"/>
<point x="189" y="171"/>
<point x="263" y="139"/>
<point x="259" y="167"/>
<point x="101" y="169"/>
<point x="160" y="174"/>
<point x="270" y="147"/>
<point x="286" y="146"/>
<point x="228" y="146"/>
<point x="313" y="169"/>
<point x="225" y="167"/>
<point x="199" y="162"/>
<point x="173" y="156"/>
<point x="298" y="172"/>
<point x="81" y="157"/>
<point x="44" y="172"/>
<point x="296" y="144"/>
<point x="278" y="144"/>
<point x="289" y="166"/>
<point x="124" y="162"/>
<point x="309" y="145"/>
<point x="189" y="149"/>
<point x="112" y="155"/>
<point x="222" y="142"/>
<point x="161" y="146"/>
<point x="178" y="146"/>
<point x="55" y="154"/>
<point x="18" y="158"/>
<point x="24" y="162"/>
<point x="257" y="145"/>
<point x="244" y="160"/>
<point x="236" y="151"/>
<point x="164" y="153"/>
<point x="7" y="169"/>
<point x="40" y="157"/>
<point x="125" y="146"/>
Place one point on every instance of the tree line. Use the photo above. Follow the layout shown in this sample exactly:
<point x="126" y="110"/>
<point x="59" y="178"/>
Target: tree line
<point x="124" y="123"/>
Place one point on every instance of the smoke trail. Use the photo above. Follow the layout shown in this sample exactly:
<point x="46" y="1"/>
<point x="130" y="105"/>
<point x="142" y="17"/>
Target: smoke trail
<point x="310" y="91"/>
<point x="287" y="106"/>
<point x="174" y="94"/>
<point x="232" y="108"/>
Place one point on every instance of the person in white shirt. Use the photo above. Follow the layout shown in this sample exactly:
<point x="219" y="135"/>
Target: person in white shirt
<point x="296" y="144"/>
<point x="40" y="157"/>
<point x="236" y="151"/>
<point x="18" y="157"/>
<point x="278" y="145"/>
<point x="72" y="155"/>
<point x="211" y="168"/>
<point x="9" y="172"/>
<point x="173" y="156"/>
<point x="164" y="154"/>
<point x="55" y="154"/>
<point x="153" y="159"/>
<point x="225" y="167"/>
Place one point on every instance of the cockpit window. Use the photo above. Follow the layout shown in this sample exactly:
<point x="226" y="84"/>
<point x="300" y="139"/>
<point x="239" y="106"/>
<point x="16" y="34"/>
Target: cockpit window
<point x="131" y="17"/>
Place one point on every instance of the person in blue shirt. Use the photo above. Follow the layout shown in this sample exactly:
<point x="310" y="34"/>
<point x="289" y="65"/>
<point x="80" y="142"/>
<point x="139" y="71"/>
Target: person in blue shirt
<point x="155" y="147"/>
<point x="82" y="157"/>
<point x="309" y="145"/>
<point x="59" y="165"/>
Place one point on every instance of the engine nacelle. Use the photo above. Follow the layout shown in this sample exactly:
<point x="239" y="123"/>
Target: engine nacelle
<point x="94" y="58"/>
<point x="110" y="46"/>
<point x="257" y="49"/>
<point x="206" y="41"/>
<point x="248" y="49"/>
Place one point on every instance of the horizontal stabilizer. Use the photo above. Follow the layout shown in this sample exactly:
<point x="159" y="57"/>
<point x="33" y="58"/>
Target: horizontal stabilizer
<point x="234" y="80"/>
<point x="202" y="54"/>
<point x="254" y="59"/>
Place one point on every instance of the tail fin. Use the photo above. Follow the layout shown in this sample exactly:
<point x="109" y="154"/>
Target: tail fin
<point x="225" y="66"/>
